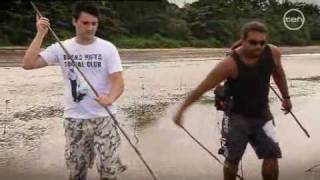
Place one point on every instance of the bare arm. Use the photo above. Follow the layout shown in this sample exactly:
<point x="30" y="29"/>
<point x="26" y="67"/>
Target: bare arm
<point x="222" y="71"/>
<point x="31" y="59"/>
<point x="117" y="85"/>
<point x="117" y="89"/>
<point x="278" y="73"/>
<point x="279" y="78"/>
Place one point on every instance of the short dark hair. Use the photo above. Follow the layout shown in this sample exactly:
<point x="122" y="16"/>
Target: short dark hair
<point x="253" y="26"/>
<point x="85" y="6"/>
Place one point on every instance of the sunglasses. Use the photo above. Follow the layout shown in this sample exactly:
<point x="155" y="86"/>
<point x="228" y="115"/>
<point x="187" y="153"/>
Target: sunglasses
<point x="255" y="43"/>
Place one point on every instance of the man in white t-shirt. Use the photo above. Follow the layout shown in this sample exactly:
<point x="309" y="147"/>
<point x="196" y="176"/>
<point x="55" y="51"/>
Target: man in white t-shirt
<point x="89" y="130"/>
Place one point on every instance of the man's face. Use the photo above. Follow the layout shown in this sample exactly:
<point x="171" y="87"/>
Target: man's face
<point x="254" y="43"/>
<point x="86" y="25"/>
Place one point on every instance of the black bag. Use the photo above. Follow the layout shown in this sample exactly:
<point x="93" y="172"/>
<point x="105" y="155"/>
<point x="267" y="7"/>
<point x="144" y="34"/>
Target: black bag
<point x="223" y="102"/>
<point x="222" y="98"/>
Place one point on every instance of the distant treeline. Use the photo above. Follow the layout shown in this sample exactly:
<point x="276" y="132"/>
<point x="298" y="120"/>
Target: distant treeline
<point x="152" y="24"/>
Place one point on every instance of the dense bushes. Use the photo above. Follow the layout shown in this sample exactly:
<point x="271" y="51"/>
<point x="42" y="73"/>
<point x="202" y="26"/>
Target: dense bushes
<point x="143" y="24"/>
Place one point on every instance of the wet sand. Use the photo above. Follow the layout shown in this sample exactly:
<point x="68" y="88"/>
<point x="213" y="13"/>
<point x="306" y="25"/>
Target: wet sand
<point x="33" y="146"/>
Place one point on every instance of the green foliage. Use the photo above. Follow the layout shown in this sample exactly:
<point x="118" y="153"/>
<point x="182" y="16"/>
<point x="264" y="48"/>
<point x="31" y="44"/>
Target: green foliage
<point x="152" y="24"/>
<point x="176" y="28"/>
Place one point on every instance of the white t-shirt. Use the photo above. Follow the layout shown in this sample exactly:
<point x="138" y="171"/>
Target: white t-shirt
<point x="96" y="60"/>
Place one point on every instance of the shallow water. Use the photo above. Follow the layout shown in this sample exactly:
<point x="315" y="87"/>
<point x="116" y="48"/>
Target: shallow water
<point x="33" y="145"/>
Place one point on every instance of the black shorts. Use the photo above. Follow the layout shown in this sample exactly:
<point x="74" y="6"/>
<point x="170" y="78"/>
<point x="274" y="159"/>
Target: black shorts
<point x="258" y="132"/>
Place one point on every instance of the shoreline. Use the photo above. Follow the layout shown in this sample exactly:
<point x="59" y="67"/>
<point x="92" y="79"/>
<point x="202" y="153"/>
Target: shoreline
<point x="11" y="56"/>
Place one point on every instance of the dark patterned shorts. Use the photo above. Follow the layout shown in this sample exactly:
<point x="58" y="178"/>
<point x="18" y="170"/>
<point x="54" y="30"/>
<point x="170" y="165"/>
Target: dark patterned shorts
<point x="258" y="132"/>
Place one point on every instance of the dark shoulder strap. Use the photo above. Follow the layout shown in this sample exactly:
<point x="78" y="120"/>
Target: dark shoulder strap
<point x="268" y="51"/>
<point x="236" y="57"/>
<point x="268" y="56"/>
<point x="239" y="64"/>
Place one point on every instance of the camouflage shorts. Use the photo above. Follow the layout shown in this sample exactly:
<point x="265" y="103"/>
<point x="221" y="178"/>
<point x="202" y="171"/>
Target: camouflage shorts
<point x="92" y="139"/>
